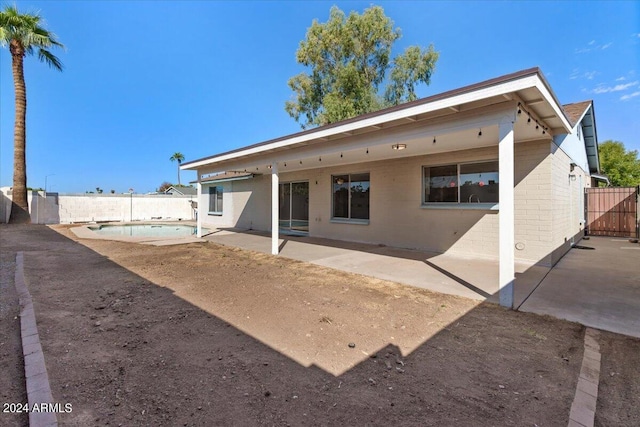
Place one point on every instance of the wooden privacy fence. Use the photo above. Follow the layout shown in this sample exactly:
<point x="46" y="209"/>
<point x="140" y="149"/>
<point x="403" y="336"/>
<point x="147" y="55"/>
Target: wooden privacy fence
<point x="612" y="211"/>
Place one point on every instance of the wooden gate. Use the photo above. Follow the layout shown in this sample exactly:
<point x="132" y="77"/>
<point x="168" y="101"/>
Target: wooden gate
<point x="612" y="211"/>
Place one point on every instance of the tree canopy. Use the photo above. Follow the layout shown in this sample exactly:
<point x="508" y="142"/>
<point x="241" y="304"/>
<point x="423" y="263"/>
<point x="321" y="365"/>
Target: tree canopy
<point x="349" y="59"/>
<point x="621" y="166"/>
<point x="164" y="187"/>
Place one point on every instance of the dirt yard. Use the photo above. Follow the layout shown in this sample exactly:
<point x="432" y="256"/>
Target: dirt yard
<point x="202" y="335"/>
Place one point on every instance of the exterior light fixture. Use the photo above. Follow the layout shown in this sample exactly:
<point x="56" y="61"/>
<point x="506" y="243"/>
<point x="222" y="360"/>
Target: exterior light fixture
<point x="399" y="146"/>
<point x="269" y="166"/>
<point x="480" y="133"/>
<point x="434" y="139"/>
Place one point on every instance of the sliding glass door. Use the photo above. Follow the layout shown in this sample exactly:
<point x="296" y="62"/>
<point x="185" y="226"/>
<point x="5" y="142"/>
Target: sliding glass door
<point x="294" y="207"/>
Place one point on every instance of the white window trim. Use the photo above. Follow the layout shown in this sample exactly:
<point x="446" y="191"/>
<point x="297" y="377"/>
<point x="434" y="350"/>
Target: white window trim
<point x="341" y="220"/>
<point x="456" y="205"/>
<point x="216" y="213"/>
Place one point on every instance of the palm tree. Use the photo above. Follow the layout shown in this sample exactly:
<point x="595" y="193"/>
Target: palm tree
<point x="177" y="156"/>
<point x="24" y="35"/>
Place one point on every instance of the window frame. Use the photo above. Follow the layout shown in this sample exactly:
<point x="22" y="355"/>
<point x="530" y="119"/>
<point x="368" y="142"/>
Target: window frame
<point x="458" y="204"/>
<point x="349" y="219"/>
<point x="217" y="189"/>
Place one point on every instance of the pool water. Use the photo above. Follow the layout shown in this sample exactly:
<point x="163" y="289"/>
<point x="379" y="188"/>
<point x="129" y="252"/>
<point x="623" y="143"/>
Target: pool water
<point x="146" y="230"/>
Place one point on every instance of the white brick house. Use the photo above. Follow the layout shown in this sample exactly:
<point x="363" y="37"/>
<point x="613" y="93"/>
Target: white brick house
<point x="496" y="169"/>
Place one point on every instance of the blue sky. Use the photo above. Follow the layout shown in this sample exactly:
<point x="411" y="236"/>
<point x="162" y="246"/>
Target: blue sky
<point x="144" y="79"/>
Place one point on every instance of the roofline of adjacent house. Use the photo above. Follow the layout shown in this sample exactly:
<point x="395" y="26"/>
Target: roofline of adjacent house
<point x="535" y="71"/>
<point x="595" y="133"/>
<point x="584" y="112"/>
<point x="600" y="177"/>
<point x="591" y="107"/>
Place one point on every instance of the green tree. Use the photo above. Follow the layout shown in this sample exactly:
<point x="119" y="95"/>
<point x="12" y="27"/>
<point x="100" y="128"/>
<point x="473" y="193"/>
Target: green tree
<point x="349" y="58"/>
<point x="177" y="157"/>
<point x="24" y="35"/>
<point x="164" y="186"/>
<point x="621" y="166"/>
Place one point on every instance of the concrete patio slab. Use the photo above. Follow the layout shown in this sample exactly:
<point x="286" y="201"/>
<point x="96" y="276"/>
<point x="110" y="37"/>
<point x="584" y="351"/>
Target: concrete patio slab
<point x="473" y="278"/>
<point x="598" y="287"/>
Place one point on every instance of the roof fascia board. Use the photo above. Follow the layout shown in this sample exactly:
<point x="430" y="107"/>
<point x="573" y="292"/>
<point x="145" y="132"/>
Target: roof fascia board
<point x="491" y="116"/>
<point x="453" y="101"/>
<point x="551" y="99"/>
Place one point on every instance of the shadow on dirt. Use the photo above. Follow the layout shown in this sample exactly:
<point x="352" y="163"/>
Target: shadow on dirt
<point x="125" y="350"/>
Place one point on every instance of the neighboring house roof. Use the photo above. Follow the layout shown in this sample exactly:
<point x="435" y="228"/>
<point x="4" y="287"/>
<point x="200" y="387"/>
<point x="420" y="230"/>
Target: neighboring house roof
<point x="529" y="86"/>
<point x="575" y="111"/>
<point x="582" y="114"/>
<point x="183" y="191"/>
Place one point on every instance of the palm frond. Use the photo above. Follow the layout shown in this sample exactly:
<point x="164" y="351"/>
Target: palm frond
<point x="50" y="59"/>
<point x="4" y="36"/>
<point x="26" y="30"/>
<point x="40" y="37"/>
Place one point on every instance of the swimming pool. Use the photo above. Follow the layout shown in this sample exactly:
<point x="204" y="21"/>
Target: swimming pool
<point x="146" y="230"/>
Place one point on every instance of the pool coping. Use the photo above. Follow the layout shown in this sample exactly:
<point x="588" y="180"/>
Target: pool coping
<point x="85" y="232"/>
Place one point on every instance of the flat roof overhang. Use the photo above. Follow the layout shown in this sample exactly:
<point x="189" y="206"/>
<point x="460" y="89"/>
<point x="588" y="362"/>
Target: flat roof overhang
<point x="453" y="119"/>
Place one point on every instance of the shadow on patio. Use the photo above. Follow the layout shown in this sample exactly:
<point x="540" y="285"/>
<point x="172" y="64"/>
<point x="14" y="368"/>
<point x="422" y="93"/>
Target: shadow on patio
<point x="469" y="277"/>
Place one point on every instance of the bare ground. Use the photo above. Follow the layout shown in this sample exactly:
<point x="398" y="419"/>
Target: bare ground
<point x="12" y="382"/>
<point x="201" y="334"/>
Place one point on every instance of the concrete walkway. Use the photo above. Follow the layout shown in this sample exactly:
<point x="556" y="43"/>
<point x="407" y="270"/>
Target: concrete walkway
<point x="597" y="287"/>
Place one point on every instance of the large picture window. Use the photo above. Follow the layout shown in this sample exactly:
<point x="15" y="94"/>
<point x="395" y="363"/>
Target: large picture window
<point x="461" y="183"/>
<point x="351" y="196"/>
<point x="215" y="200"/>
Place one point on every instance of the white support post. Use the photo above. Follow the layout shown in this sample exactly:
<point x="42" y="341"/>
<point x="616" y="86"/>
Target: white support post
<point x="200" y="199"/>
<point x="506" y="216"/>
<point x="275" y="204"/>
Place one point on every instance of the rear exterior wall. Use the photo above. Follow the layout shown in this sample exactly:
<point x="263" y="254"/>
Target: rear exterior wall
<point x="568" y="208"/>
<point x="398" y="217"/>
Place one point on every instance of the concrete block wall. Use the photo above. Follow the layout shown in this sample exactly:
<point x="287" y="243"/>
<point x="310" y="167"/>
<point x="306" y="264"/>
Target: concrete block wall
<point x="397" y="217"/>
<point x="543" y="215"/>
<point x="5" y="205"/>
<point x="534" y="204"/>
<point x="69" y="208"/>
<point x="568" y="207"/>
<point x="116" y="207"/>
<point x="44" y="209"/>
